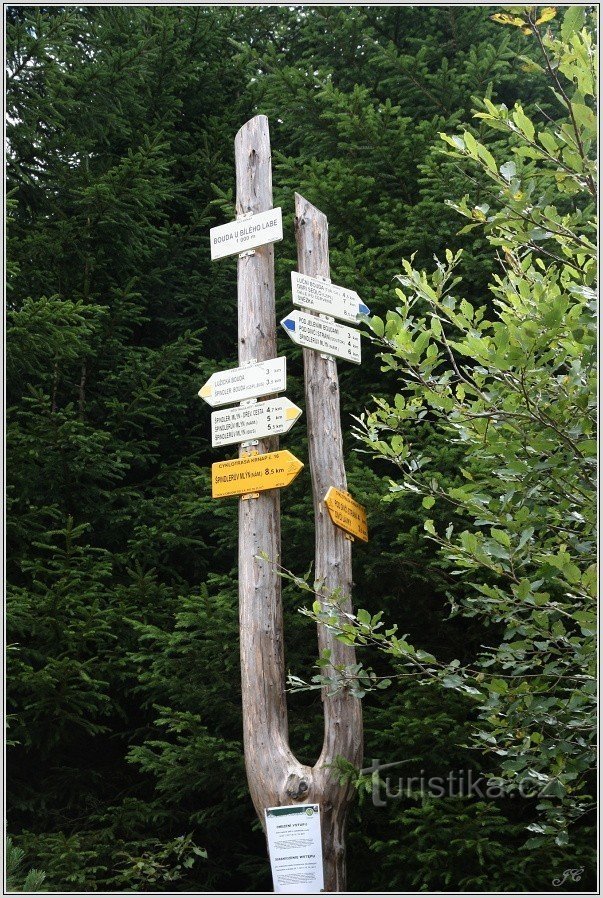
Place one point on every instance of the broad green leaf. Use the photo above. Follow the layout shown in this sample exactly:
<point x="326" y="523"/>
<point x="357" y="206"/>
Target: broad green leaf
<point x="549" y="143"/>
<point x="501" y="536"/>
<point x="471" y="143"/>
<point x="523" y="122"/>
<point x="487" y="156"/>
<point x="377" y="325"/>
<point x="586" y="118"/>
<point x="572" y="21"/>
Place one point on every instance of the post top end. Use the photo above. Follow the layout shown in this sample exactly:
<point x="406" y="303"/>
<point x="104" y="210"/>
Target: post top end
<point x="257" y="123"/>
<point x="304" y="207"/>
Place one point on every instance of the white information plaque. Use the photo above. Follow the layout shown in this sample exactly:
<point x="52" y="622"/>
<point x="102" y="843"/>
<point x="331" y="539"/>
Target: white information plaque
<point x="295" y="848"/>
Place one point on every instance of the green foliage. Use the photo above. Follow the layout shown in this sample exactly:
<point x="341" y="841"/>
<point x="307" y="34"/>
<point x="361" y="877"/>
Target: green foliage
<point x="163" y="865"/>
<point x="80" y="861"/>
<point x="518" y="393"/>
<point x="123" y="673"/>
<point x="16" y="879"/>
<point x="460" y="843"/>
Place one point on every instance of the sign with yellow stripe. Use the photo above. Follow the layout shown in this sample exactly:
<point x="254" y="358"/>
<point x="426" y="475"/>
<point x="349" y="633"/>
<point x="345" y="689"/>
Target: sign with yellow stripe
<point x="254" y="473"/>
<point x="346" y="513"/>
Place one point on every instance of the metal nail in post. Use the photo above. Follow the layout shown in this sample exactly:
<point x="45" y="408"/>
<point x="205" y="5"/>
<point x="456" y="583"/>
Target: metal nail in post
<point x="325" y="355"/>
<point x="247" y="402"/>
<point x="246" y="252"/>
<point x="248" y="444"/>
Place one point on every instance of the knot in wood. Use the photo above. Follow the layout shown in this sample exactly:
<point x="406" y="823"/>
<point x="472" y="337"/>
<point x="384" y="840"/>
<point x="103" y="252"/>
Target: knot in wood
<point x="297" y="786"/>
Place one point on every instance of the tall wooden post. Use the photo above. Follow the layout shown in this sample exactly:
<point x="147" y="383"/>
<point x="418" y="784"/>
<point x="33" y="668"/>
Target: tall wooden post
<point x="265" y="728"/>
<point x="333" y="556"/>
<point x="275" y="776"/>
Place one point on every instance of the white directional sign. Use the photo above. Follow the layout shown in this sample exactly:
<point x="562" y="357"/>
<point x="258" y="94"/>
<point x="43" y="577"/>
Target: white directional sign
<point x="249" y="382"/>
<point x="321" y="296"/>
<point x="253" y="422"/>
<point x="248" y="233"/>
<point x="325" y="336"/>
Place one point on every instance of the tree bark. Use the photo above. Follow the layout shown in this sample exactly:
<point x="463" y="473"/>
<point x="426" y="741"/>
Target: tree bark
<point x="268" y="759"/>
<point x="333" y="564"/>
<point x="275" y="776"/>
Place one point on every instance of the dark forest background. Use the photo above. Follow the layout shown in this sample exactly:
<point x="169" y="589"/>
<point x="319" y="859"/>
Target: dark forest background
<point x="125" y="767"/>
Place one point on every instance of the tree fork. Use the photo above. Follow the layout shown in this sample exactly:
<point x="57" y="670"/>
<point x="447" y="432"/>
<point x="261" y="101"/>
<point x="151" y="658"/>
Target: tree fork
<point x="274" y="775"/>
<point x="333" y="552"/>
<point x="268" y="759"/>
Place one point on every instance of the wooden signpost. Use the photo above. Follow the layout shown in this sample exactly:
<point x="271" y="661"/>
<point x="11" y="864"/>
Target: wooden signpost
<point x="277" y="780"/>
<point x="333" y="554"/>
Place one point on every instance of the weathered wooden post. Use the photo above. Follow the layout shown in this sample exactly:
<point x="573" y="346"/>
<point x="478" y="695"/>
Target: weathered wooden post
<point x="275" y="776"/>
<point x="333" y="554"/>
<point x="268" y="759"/>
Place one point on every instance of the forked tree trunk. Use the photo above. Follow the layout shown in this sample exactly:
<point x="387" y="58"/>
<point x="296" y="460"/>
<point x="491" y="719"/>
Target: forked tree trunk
<point x="275" y="776"/>
<point x="333" y="553"/>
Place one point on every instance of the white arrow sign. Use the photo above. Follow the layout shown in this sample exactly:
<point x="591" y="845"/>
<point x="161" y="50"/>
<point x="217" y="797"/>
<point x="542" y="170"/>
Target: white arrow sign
<point x="253" y="422"/>
<point x="247" y="233"/>
<point x="237" y="384"/>
<point x="325" y="336"/>
<point x="321" y="296"/>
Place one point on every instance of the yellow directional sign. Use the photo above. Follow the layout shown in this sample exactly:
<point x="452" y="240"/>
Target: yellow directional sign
<point x="346" y="513"/>
<point x="254" y="473"/>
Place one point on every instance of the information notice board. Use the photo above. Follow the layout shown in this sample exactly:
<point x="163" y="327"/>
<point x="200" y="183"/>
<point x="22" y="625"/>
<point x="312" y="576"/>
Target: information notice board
<point x="295" y="848"/>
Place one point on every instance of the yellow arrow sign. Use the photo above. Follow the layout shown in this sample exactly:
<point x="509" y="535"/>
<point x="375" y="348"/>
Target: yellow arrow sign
<point x="254" y="473"/>
<point x="346" y="513"/>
